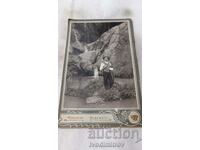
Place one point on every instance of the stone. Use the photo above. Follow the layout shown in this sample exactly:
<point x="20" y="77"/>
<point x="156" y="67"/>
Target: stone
<point x="94" y="100"/>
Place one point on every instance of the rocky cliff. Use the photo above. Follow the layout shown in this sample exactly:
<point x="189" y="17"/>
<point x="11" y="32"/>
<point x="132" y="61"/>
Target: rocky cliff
<point x="86" y="53"/>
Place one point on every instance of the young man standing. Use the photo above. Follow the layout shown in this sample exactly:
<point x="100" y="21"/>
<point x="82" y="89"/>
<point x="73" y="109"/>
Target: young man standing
<point x="107" y="69"/>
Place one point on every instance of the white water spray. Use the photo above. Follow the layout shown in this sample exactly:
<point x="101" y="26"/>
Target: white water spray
<point x="96" y="73"/>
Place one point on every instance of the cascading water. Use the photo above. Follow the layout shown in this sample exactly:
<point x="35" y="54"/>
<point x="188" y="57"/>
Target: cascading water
<point x="96" y="73"/>
<point x="86" y="49"/>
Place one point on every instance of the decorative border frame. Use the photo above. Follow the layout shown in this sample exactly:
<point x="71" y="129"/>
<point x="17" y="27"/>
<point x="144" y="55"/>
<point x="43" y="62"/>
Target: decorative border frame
<point x="101" y="117"/>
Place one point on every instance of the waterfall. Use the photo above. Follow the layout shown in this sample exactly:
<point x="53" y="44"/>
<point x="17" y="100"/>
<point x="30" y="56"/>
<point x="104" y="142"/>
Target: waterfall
<point x="96" y="73"/>
<point x="85" y="48"/>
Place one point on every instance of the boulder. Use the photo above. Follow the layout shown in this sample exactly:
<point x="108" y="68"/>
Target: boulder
<point x="115" y="44"/>
<point x="94" y="99"/>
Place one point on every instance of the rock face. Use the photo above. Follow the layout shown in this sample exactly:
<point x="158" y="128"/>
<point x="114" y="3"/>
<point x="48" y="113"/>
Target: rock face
<point x="90" y="32"/>
<point x="86" y="53"/>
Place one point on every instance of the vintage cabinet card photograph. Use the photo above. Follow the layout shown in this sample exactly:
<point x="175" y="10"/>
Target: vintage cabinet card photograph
<point x="100" y="82"/>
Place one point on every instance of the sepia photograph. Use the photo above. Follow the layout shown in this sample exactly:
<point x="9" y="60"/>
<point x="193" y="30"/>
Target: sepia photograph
<point x="100" y="67"/>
